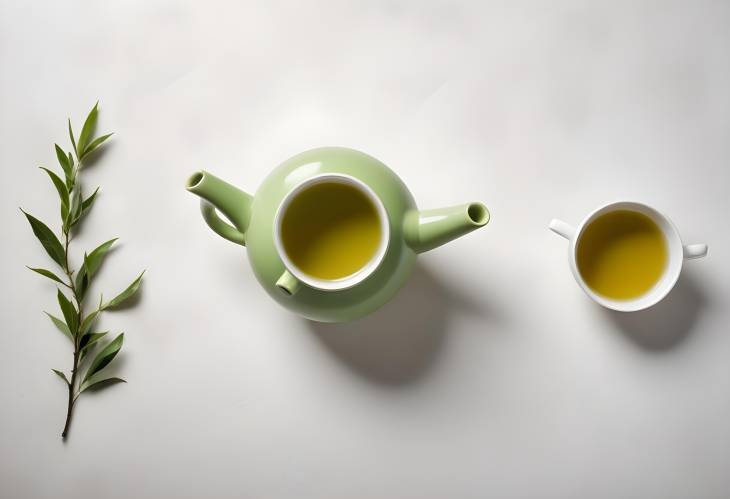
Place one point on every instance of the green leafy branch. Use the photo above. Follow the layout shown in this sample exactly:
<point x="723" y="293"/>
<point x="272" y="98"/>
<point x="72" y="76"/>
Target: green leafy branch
<point x="76" y="324"/>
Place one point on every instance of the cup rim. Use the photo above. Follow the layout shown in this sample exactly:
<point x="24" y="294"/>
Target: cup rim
<point x="670" y="275"/>
<point x="364" y="272"/>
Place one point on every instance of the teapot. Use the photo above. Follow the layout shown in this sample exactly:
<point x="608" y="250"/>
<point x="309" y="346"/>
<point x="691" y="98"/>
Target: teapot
<point x="403" y="230"/>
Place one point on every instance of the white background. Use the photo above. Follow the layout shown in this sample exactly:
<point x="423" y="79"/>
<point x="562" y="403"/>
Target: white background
<point x="491" y="374"/>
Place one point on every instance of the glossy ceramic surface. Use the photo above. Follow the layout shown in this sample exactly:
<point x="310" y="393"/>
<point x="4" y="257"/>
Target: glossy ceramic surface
<point x="677" y="253"/>
<point x="254" y="218"/>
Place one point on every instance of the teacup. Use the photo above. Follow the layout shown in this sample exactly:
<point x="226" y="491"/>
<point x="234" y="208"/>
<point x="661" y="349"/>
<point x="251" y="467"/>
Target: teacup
<point x="675" y="254"/>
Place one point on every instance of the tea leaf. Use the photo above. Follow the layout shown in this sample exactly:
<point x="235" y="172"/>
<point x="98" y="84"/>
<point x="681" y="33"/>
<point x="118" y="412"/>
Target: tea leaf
<point x="67" y="164"/>
<point x="69" y="312"/>
<point x="104" y="357"/>
<point x="64" y="211"/>
<point x="96" y="143"/>
<point x="75" y="209"/>
<point x="47" y="273"/>
<point x="61" y="189"/>
<point x="102" y="383"/>
<point x="82" y="280"/>
<point x="87" y="322"/>
<point x="126" y="294"/>
<point x="68" y="222"/>
<point x="87" y="203"/>
<point x="47" y="238"/>
<point x="88" y="341"/>
<point x="61" y="326"/>
<point x="71" y="136"/>
<point x="86" y="132"/>
<point x="92" y="262"/>
<point x="62" y="158"/>
<point x="61" y="375"/>
<point x="76" y="205"/>
<point x="96" y="257"/>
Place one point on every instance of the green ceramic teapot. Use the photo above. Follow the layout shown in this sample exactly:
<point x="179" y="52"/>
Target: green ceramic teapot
<point x="402" y="230"/>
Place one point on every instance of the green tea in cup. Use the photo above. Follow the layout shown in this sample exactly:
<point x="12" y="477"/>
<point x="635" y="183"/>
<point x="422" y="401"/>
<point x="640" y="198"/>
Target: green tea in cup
<point x="621" y="254"/>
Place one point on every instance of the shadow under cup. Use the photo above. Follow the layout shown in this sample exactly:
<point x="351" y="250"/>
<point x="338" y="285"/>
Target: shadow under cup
<point x="331" y="232"/>
<point x="669" y="275"/>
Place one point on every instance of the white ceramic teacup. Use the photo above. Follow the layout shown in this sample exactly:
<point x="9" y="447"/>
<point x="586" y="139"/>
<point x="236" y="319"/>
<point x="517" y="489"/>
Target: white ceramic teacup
<point x="677" y="253"/>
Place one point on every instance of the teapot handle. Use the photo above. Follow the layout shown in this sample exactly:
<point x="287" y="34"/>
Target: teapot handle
<point x="219" y="226"/>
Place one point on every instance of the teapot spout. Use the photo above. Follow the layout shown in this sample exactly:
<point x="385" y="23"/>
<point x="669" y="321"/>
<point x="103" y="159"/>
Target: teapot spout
<point x="229" y="200"/>
<point x="429" y="229"/>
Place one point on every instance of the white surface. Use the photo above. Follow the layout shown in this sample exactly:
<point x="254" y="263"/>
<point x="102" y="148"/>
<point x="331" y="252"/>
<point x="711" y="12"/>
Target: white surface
<point x="491" y="375"/>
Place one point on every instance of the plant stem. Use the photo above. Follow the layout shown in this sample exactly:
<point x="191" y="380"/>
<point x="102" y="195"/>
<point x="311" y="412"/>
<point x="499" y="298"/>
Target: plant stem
<point x="72" y="286"/>
<point x="69" y="411"/>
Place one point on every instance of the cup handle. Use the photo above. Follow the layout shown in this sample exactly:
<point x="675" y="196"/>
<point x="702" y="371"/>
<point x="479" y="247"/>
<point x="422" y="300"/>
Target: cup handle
<point x="288" y="284"/>
<point x="695" y="251"/>
<point x="562" y="228"/>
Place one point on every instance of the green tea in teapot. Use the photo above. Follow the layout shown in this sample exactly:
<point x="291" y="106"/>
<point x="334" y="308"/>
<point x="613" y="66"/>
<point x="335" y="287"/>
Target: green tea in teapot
<point x="330" y="230"/>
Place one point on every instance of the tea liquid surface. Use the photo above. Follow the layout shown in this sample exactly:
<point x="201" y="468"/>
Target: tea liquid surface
<point x="622" y="254"/>
<point x="331" y="230"/>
